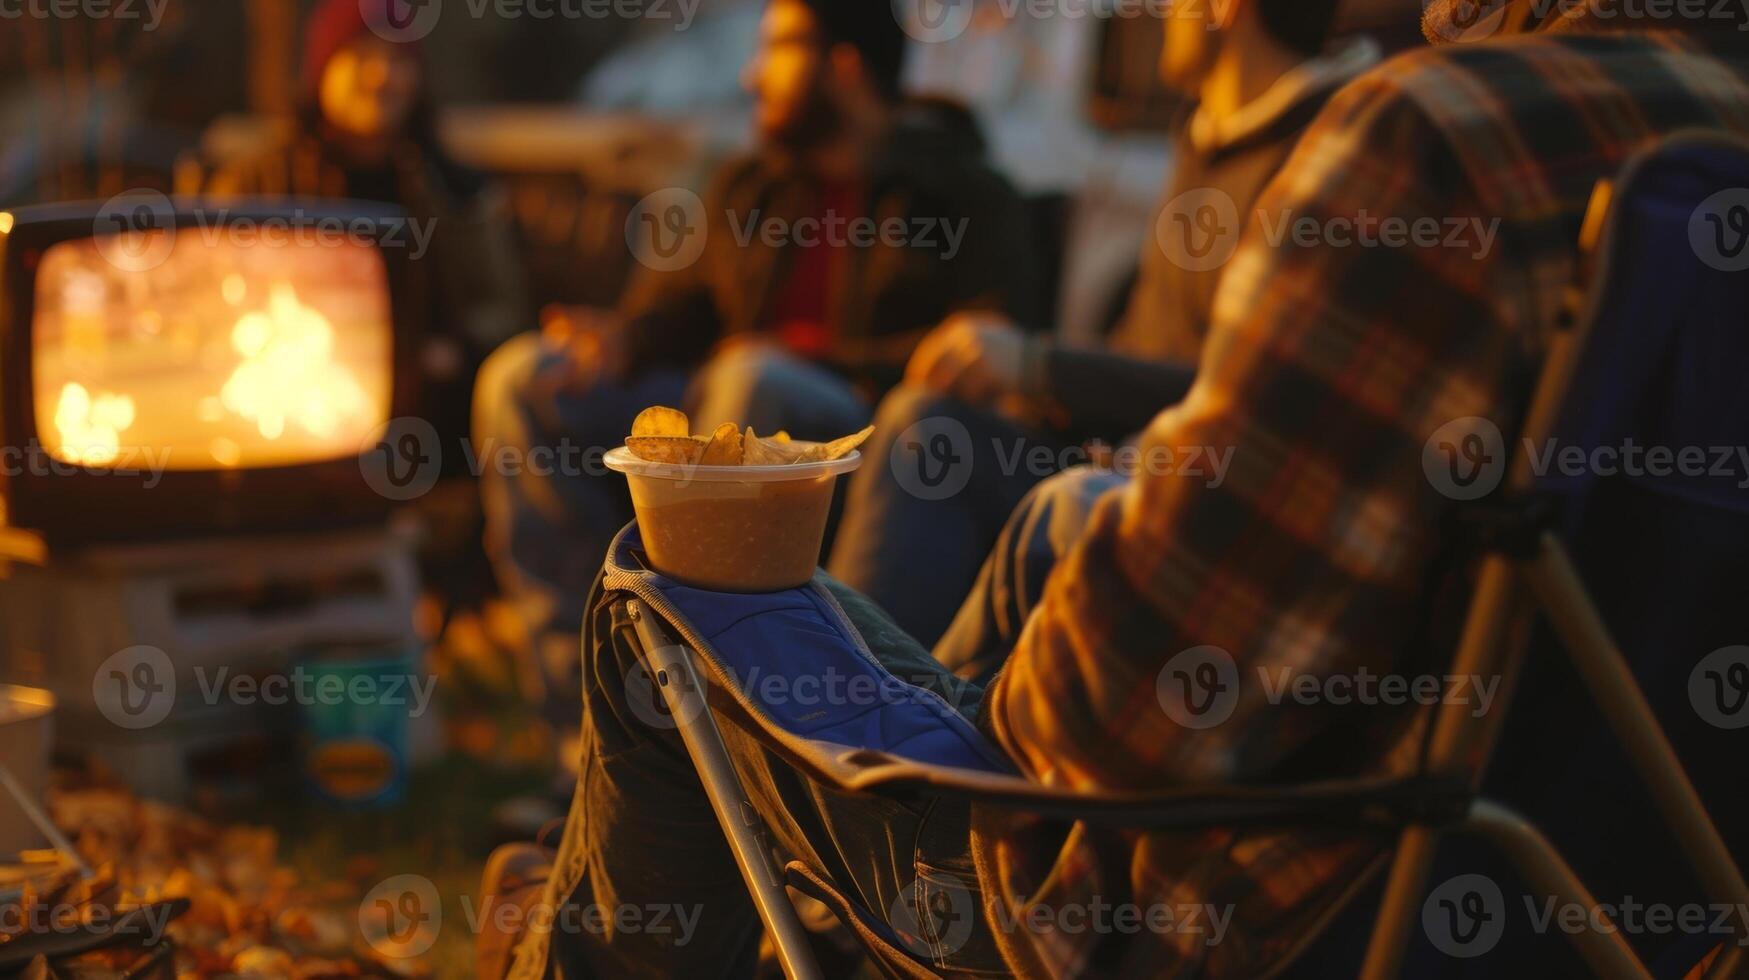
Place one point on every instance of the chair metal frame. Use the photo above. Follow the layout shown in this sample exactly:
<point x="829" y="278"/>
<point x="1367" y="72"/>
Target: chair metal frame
<point x="671" y="666"/>
<point x="1530" y="574"/>
<point x="1492" y="645"/>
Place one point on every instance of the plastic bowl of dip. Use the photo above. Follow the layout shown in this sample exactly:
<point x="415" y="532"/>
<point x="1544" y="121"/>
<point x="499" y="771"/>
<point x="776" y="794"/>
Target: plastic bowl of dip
<point x="732" y="528"/>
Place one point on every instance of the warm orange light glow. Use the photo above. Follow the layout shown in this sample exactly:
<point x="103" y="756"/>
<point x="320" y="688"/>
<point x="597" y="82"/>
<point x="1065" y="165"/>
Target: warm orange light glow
<point x="222" y="356"/>
<point x="288" y="374"/>
<point x="91" y="428"/>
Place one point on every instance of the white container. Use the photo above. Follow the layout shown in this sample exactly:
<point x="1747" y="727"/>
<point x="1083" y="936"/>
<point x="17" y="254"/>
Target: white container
<point x="732" y="528"/>
<point x="27" y="716"/>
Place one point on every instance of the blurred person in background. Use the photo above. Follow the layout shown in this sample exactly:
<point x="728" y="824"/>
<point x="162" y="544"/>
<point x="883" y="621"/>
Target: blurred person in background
<point x="1257" y="72"/>
<point x="366" y="129"/>
<point x="799" y="330"/>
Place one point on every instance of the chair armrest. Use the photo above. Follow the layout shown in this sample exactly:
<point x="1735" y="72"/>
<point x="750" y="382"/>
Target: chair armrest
<point x="1386" y="802"/>
<point x="1383" y="803"/>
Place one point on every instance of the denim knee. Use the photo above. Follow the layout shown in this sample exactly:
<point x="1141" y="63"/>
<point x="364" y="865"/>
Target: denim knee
<point x="1076" y="486"/>
<point x="1065" y="501"/>
<point x="909" y="404"/>
<point x="735" y="382"/>
<point x="904" y="407"/>
<point x="503" y="383"/>
<point x="772" y="389"/>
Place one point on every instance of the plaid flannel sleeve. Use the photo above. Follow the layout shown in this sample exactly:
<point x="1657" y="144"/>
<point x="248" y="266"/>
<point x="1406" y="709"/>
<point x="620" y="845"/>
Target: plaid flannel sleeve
<point x="1338" y="348"/>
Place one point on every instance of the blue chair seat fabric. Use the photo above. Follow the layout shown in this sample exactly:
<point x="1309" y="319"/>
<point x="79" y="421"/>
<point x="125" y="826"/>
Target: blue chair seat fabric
<point x="800" y="666"/>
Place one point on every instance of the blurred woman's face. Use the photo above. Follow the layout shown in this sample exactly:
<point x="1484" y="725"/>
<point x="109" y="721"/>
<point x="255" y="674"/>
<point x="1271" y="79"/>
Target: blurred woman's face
<point x="785" y="73"/>
<point x="368" y="88"/>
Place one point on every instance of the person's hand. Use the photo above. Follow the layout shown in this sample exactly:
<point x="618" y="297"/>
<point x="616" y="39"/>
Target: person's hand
<point x="972" y="356"/>
<point x="746" y="340"/>
<point x="593" y="339"/>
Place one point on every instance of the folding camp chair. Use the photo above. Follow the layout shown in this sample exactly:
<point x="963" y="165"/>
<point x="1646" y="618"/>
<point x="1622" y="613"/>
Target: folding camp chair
<point x="1652" y="347"/>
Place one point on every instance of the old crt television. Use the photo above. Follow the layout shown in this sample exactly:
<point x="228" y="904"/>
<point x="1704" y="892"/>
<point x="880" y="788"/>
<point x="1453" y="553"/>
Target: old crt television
<point x="190" y="367"/>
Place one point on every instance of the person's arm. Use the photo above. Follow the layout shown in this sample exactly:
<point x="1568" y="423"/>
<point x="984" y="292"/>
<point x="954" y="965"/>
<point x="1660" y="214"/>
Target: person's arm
<point x="985" y="359"/>
<point x="1099" y="392"/>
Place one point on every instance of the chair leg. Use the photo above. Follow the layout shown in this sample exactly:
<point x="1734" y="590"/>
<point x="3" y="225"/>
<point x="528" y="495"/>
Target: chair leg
<point x="1605" y="952"/>
<point x="1458" y="745"/>
<point x="1730" y="963"/>
<point x="1562" y="595"/>
<point x="1400" y="908"/>
<point x="671" y="666"/>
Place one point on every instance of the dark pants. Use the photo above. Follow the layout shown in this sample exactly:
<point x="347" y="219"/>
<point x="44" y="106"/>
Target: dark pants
<point x="938" y="481"/>
<point x="642" y="841"/>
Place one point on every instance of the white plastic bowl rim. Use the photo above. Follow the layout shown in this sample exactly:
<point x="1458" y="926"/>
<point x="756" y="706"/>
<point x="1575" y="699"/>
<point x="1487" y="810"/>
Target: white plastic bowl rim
<point x="623" y="460"/>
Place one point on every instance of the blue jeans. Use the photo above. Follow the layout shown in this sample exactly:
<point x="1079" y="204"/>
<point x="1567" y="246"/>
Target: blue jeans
<point x="551" y="515"/>
<point x="938" y="481"/>
<point x="1038" y="534"/>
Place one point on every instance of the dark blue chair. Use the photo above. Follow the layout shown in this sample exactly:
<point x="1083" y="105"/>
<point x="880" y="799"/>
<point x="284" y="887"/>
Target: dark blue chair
<point x="1641" y="570"/>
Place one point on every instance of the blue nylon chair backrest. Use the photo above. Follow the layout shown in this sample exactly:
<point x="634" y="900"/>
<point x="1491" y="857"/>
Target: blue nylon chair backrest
<point x="1668" y="355"/>
<point x="1664" y="556"/>
<point x="798" y="657"/>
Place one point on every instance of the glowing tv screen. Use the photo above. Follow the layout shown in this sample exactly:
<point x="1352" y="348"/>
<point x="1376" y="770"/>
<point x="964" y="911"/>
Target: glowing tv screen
<point x="200" y="351"/>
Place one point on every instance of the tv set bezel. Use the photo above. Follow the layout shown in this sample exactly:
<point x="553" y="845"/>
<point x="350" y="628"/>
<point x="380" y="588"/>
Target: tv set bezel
<point x="91" y="504"/>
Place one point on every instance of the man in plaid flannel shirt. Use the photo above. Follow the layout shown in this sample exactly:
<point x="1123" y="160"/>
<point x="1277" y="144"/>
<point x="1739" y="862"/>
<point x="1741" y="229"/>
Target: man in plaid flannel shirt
<point x="1329" y="365"/>
<point x="1328" y="368"/>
